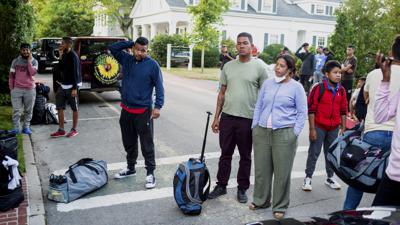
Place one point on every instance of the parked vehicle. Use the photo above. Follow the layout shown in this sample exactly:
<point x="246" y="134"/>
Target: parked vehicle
<point x="46" y="52"/>
<point x="100" y="70"/>
<point x="361" y="216"/>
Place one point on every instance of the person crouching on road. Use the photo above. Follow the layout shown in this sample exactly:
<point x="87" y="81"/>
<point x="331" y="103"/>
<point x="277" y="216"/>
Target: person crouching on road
<point x="141" y="75"/>
<point x="279" y="116"/>
<point x="327" y="111"/>
<point x="68" y="92"/>
<point x="22" y="86"/>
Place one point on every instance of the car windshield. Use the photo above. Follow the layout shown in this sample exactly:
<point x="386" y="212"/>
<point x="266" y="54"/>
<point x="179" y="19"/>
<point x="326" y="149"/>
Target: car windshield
<point x="92" y="48"/>
<point x="49" y="44"/>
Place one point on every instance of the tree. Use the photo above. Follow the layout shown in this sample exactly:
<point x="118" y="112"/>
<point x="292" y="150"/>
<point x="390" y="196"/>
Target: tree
<point x="64" y="18"/>
<point x="16" y="22"/>
<point x="369" y="25"/>
<point x="119" y="10"/>
<point x="206" y="16"/>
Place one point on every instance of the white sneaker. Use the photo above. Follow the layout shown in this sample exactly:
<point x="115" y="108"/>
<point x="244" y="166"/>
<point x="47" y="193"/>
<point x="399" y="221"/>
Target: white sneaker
<point x="307" y="184"/>
<point x="150" y="181"/>
<point x="124" y="173"/>
<point x="332" y="183"/>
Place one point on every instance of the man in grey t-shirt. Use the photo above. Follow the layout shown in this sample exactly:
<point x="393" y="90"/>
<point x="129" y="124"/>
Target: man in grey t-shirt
<point x="240" y="81"/>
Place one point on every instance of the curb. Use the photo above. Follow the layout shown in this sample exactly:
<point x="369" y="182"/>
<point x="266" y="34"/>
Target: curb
<point x="36" y="212"/>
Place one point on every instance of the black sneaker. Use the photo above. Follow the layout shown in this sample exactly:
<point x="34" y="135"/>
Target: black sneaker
<point x="218" y="191"/>
<point x="125" y="173"/>
<point x="241" y="196"/>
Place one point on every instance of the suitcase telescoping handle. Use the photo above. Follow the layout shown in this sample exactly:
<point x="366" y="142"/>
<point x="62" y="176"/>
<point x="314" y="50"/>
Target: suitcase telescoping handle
<point x="205" y="137"/>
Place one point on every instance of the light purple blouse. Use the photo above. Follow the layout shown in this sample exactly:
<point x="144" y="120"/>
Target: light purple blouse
<point x="384" y="110"/>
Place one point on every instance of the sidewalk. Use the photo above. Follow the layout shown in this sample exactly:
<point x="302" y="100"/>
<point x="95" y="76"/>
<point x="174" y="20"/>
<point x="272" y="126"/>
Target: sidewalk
<point x="16" y="216"/>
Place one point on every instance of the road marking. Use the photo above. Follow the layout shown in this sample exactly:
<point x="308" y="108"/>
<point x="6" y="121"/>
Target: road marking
<point x="170" y="160"/>
<point x="145" y="195"/>
<point x="98" y="118"/>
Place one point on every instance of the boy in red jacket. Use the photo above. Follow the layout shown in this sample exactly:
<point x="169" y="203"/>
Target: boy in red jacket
<point x="327" y="109"/>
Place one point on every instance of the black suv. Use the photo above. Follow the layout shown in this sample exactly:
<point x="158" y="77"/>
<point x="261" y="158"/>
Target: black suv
<point x="46" y="53"/>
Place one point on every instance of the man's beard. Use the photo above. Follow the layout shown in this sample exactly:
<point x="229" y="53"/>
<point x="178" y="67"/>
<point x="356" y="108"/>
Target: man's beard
<point x="25" y="57"/>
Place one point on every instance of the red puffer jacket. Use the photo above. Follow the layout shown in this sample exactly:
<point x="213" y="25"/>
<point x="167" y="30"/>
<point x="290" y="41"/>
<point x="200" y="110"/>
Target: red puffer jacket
<point x="328" y="107"/>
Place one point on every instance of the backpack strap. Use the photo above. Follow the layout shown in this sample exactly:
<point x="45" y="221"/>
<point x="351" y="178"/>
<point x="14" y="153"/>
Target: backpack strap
<point x="189" y="194"/>
<point x="207" y="177"/>
<point x="321" y="90"/>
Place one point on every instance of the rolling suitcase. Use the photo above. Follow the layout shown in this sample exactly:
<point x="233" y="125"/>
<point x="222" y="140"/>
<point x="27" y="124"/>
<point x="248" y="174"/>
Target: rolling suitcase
<point x="192" y="182"/>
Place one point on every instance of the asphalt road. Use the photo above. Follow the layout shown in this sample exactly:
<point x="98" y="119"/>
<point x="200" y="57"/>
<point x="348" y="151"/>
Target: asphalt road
<point x="178" y="134"/>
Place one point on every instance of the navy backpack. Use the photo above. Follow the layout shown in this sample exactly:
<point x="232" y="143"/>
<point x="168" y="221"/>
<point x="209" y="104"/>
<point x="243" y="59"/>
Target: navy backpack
<point x="190" y="181"/>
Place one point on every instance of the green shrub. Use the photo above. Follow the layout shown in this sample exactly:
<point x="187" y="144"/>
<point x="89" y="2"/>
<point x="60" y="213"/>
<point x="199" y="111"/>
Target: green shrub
<point x="158" y="46"/>
<point x="211" y="57"/>
<point x="230" y="44"/>
<point x="270" y="53"/>
<point x="5" y="99"/>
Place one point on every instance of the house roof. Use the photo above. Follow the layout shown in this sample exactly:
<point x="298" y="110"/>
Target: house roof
<point x="284" y="9"/>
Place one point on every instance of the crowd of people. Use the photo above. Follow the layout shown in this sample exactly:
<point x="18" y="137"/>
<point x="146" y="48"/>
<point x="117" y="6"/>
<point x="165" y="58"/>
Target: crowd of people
<point x="324" y="93"/>
<point x="256" y="109"/>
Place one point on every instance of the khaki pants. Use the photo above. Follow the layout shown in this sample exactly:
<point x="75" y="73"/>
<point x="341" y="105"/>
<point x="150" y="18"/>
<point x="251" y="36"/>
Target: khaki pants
<point x="274" y="152"/>
<point x="22" y="100"/>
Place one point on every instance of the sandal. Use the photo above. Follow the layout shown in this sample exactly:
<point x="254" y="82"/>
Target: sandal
<point x="253" y="206"/>
<point x="279" y="215"/>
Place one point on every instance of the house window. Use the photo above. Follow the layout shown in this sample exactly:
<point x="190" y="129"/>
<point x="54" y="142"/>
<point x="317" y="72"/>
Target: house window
<point x="224" y="35"/>
<point x="268" y="5"/>
<point x="321" y="41"/>
<point x="319" y="9"/>
<point x="274" y="39"/>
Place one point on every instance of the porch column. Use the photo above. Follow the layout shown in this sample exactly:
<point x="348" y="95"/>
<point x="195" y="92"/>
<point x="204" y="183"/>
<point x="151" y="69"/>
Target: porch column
<point x="172" y="27"/>
<point x="153" y="30"/>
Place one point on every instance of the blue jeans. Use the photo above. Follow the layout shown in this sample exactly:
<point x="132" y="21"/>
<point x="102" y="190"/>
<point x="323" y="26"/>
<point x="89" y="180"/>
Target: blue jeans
<point x="380" y="139"/>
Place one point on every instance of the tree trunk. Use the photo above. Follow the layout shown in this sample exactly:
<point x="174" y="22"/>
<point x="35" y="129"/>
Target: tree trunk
<point x="202" y="59"/>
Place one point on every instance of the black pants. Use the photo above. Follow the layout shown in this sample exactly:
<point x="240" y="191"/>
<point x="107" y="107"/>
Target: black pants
<point x="388" y="193"/>
<point x="235" y="131"/>
<point x="348" y="86"/>
<point x="305" y="81"/>
<point x="132" y="127"/>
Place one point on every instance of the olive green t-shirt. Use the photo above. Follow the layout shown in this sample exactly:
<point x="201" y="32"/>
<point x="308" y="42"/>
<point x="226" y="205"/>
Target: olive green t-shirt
<point x="242" y="81"/>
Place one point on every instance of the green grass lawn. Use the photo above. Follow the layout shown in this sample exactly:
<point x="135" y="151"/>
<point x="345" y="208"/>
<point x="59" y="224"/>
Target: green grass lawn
<point x="208" y="74"/>
<point x="6" y="124"/>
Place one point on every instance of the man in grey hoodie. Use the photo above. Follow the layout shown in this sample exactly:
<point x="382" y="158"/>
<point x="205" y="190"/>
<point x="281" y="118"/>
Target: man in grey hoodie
<point x="22" y="86"/>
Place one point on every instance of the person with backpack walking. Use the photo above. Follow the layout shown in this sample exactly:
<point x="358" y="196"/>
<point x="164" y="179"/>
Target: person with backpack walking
<point x="327" y="110"/>
<point x="22" y="86"/>
<point x="279" y="116"/>
<point x="385" y="109"/>
<point x="241" y="80"/>
<point x="142" y="75"/>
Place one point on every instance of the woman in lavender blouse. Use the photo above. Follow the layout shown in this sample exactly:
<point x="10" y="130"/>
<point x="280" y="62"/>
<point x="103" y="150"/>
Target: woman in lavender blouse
<point x="279" y="116"/>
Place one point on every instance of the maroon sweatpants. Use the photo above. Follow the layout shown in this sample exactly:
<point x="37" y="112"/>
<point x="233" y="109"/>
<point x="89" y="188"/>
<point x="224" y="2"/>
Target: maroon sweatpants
<point x="234" y="131"/>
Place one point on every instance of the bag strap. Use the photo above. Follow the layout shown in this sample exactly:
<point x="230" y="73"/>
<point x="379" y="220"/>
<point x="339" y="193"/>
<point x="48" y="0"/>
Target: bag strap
<point x="92" y="168"/>
<point x="189" y="194"/>
<point x="321" y="90"/>
<point x="81" y="162"/>
<point x="204" y="195"/>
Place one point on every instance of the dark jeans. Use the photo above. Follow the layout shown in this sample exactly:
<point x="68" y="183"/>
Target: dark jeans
<point x="132" y="127"/>
<point x="348" y="86"/>
<point x="305" y="81"/>
<point x="324" y="138"/>
<point x="388" y="193"/>
<point x="235" y="131"/>
<point x="381" y="139"/>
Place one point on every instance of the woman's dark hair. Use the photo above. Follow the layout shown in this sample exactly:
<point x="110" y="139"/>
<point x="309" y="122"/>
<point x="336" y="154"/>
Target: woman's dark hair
<point x="328" y="67"/>
<point x="396" y="48"/>
<point x="291" y="64"/>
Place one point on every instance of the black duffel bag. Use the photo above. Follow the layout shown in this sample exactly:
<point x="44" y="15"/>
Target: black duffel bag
<point x="8" y="144"/>
<point x="11" y="200"/>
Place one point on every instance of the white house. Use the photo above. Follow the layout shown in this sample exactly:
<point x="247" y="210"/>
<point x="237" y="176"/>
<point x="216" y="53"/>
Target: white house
<point x="104" y="25"/>
<point x="288" y="22"/>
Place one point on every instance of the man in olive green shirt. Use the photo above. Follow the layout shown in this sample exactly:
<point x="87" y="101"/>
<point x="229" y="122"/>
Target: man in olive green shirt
<point x="240" y="81"/>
